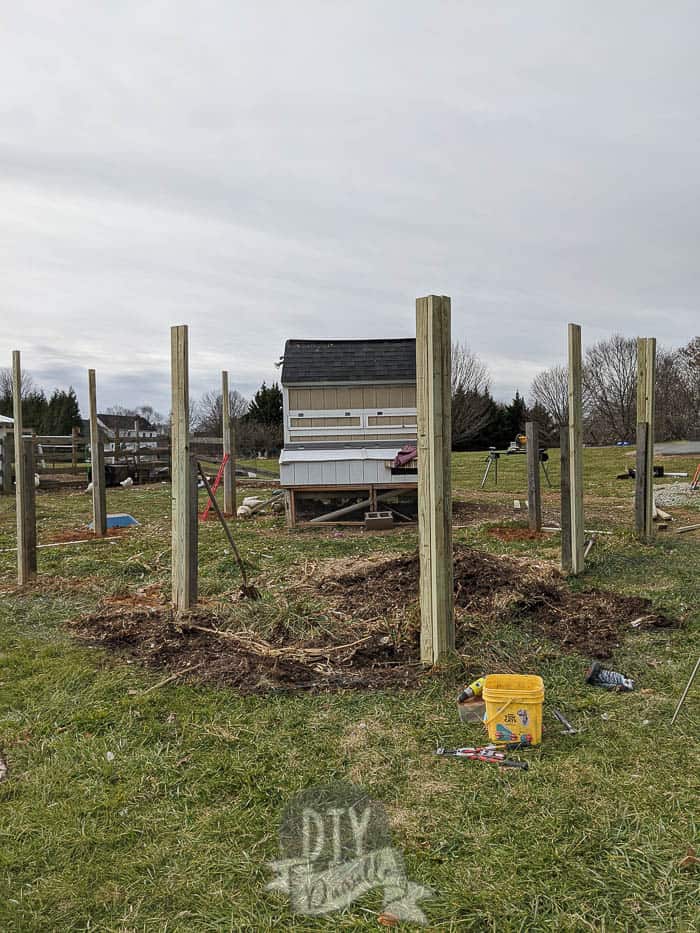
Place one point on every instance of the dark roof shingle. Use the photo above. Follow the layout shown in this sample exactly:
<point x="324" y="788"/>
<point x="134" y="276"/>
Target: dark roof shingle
<point x="349" y="361"/>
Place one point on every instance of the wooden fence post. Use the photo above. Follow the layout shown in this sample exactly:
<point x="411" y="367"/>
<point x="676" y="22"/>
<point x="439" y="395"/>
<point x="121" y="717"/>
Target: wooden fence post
<point x="565" y="493"/>
<point x="184" y="482"/>
<point x="644" y="482"/>
<point x="75" y="432"/>
<point x="99" y="495"/>
<point x="576" y="448"/>
<point x="228" y="437"/>
<point x="534" y="495"/>
<point x="30" y="502"/>
<point x="7" y="461"/>
<point x="433" y="381"/>
<point x="26" y="527"/>
<point x="136" y="447"/>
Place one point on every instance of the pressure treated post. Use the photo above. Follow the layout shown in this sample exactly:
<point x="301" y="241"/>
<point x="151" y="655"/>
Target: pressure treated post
<point x="644" y="483"/>
<point x="184" y="486"/>
<point x="576" y="448"/>
<point x="26" y="551"/>
<point x="227" y="433"/>
<point x="433" y="382"/>
<point x="75" y="433"/>
<point x="137" y="441"/>
<point x="99" y="495"/>
<point x="534" y="496"/>
<point x="30" y="501"/>
<point x="565" y="494"/>
<point x="7" y="461"/>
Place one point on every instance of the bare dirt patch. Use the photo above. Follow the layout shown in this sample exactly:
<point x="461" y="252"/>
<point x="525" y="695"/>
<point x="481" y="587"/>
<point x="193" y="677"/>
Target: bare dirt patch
<point x="84" y="534"/>
<point x="513" y="533"/>
<point x="373" y="640"/>
<point x="474" y="513"/>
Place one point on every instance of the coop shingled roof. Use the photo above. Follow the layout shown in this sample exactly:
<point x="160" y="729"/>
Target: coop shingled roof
<point x="330" y="361"/>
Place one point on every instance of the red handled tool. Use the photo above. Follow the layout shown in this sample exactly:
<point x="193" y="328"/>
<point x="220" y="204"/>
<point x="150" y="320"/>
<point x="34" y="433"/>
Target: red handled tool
<point x="488" y="753"/>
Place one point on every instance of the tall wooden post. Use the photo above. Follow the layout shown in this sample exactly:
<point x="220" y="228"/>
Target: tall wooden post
<point x="26" y="534"/>
<point x="433" y="378"/>
<point x="30" y="501"/>
<point x="534" y="495"/>
<point x="99" y="495"/>
<point x="7" y="461"/>
<point x="137" y="441"/>
<point x="184" y="485"/>
<point x="565" y="494"/>
<point x="576" y="448"/>
<point x="75" y="434"/>
<point x="228" y="438"/>
<point x="644" y="483"/>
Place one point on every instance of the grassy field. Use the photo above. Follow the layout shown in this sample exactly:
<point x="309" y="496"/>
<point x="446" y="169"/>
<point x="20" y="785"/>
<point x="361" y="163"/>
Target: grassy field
<point x="126" y="810"/>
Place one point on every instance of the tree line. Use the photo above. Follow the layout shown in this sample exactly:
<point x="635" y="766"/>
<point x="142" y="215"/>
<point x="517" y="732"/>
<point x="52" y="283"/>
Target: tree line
<point x="609" y="397"/>
<point x="478" y="420"/>
<point x="258" y="422"/>
<point x="609" y="383"/>
<point x="57" y="414"/>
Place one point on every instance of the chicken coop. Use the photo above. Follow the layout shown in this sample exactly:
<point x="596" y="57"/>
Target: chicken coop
<point x="350" y="431"/>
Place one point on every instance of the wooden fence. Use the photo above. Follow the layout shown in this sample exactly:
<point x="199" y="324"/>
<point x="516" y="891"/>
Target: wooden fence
<point x="64" y="460"/>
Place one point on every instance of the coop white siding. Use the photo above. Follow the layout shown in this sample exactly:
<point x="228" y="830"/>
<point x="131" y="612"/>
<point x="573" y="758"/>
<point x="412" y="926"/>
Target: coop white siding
<point x="340" y="468"/>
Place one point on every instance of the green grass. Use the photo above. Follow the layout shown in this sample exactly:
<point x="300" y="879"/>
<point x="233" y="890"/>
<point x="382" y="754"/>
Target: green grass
<point x="176" y="830"/>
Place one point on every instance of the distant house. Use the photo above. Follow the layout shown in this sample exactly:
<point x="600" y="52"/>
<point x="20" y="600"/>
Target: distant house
<point x="349" y="408"/>
<point x="123" y="429"/>
<point x="127" y="426"/>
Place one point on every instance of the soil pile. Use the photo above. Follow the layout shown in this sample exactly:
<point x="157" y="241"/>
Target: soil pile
<point x="489" y="588"/>
<point x="372" y="637"/>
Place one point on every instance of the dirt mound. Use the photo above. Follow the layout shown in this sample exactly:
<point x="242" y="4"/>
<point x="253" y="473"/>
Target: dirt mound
<point x="373" y="640"/>
<point x="491" y="588"/>
<point x="203" y="642"/>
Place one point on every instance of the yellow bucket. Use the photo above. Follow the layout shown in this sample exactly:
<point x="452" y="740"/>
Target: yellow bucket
<point x="514" y="707"/>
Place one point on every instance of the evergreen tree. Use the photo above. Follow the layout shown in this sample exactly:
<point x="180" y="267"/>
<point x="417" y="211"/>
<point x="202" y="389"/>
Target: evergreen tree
<point x="548" y="431"/>
<point x="62" y="412"/>
<point x="515" y="416"/>
<point x="266" y="407"/>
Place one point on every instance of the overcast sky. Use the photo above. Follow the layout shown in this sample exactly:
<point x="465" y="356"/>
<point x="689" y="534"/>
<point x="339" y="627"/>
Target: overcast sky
<point x="264" y="170"/>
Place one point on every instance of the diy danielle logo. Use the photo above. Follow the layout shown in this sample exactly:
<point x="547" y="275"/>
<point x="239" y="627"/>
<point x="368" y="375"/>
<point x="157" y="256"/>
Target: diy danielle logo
<point x="335" y="846"/>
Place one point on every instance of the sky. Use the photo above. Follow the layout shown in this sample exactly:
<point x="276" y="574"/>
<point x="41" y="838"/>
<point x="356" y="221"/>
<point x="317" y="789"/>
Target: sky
<point x="270" y="170"/>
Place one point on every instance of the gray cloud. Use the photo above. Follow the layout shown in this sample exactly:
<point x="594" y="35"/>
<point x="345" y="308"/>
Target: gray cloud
<point x="262" y="171"/>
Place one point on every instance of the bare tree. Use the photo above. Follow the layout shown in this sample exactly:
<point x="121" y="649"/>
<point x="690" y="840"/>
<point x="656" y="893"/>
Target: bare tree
<point x="147" y="412"/>
<point x="209" y="411"/>
<point x="471" y="402"/>
<point x="610" y="386"/>
<point x="550" y="389"/>
<point x="27" y="385"/>
<point x="468" y="372"/>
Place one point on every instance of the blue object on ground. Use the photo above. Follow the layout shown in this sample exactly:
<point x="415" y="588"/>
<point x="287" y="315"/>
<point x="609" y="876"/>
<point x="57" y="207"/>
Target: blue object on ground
<point x="120" y="520"/>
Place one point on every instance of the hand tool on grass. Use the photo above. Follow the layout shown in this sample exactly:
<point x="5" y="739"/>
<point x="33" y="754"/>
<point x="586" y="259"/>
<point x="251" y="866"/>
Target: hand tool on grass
<point x="490" y="754"/>
<point x="687" y="689"/>
<point x="474" y="689"/>
<point x="568" y="728"/>
<point x="247" y="590"/>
